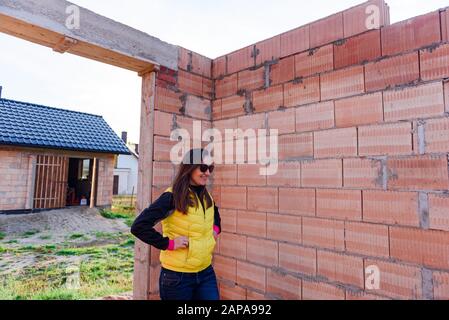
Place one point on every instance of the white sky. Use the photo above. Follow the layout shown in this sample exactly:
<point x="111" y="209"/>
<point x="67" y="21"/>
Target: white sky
<point x="36" y="74"/>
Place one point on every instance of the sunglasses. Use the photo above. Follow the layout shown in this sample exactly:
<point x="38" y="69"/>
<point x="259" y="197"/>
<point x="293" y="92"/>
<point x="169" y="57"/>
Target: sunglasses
<point x="205" y="167"/>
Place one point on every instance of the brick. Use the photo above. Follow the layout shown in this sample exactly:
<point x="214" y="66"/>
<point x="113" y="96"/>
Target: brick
<point x="362" y="173"/>
<point x="225" y="268"/>
<point x="361" y="296"/>
<point x="166" y="77"/>
<point x="268" y="99"/>
<point x="198" y="108"/>
<point x="397" y="281"/>
<point x="253" y="295"/>
<point x="222" y="125"/>
<point x="251" y="79"/>
<point x="163" y="173"/>
<point x="302" y="92"/>
<point x="359" y="19"/>
<point x="233" y="197"/>
<point x="228" y="220"/>
<point x="219" y="67"/>
<point x="394" y="208"/>
<point x="335" y="143"/>
<point x="339" y="204"/>
<point x="216" y="109"/>
<point x="232" y="106"/>
<point x="283" y="71"/>
<point x="359" y="110"/>
<point x="284" y="228"/>
<point x="167" y="100"/>
<point x="438" y="212"/>
<point x="184" y="58"/>
<point x="391" y="72"/>
<point x="295" y="41"/>
<point x="232" y="292"/>
<point x="367" y="239"/>
<point x="251" y="275"/>
<point x="249" y="175"/>
<point x="444" y="14"/>
<point x="264" y="252"/>
<point x="288" y="175"/>
<point x="436" y="135"/>
<point x="201" y="65"/>
<point x="315" y="117"/>
<point x="321" y="291"/>
<point x="268" y="50"/>
<point x="322" y="173"/>
<point x="163" y="123"/>
<point x="252" y="223"/>
<point x="388" y="139"/>
<point x="162" y="148"/>
<point x="341" y="268"/>
<point x="208" y="88"/>
<point x="283" y="286"/>
<point x="314" y="61"/>
<point x="226" y="174"/>
<point x="411" y="34"/>
<point x="190" y="83"/>
<point x="297" y="201"/>
<point x="233" y="245"/>
<point x="342" y="83"/>
<point x="418" y="173"/>
<point x="283" y="121"/>
<point x="323" y="233"/>
<point x="441" y="285"/>
<point x="326" y="30"/>
<point x="241" y="59"/>
<point x="446" y="95"/>
<point x="423" y="101"/>
<point x="263" y="199"/>
<point x="226" y="87"/>
<point x="435" y="63"/>
<point x="425" y="247"/>
<point x="297" y="259"/>
<point x="295" y="146"/>
<point x="254" y="121"/>
<point x="359" y="49"/>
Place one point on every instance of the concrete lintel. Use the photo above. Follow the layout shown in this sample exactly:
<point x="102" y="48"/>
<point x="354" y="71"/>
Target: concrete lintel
<point x="99" y="38"/>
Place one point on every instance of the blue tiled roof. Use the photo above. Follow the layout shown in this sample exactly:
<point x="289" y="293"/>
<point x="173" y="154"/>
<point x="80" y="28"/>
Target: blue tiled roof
<point x="26" y="124"/>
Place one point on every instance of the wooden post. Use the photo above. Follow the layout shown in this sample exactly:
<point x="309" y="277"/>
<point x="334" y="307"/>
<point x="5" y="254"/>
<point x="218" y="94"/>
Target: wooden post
<point x="94" y="183"/>
<point x="142" y="252"/>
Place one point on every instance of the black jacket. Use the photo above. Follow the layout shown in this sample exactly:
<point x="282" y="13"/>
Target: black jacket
<point x="143" y="226"/>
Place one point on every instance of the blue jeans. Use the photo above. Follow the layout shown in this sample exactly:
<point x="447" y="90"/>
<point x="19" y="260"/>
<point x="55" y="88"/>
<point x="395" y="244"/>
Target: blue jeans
<point x="188" y="286"/>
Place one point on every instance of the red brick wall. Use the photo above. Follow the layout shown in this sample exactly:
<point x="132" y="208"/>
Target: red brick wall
<point x="364" y="142"/>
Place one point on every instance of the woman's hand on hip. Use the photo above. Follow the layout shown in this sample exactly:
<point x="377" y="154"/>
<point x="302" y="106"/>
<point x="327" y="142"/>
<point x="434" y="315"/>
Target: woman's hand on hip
<point x="181" y="243"/>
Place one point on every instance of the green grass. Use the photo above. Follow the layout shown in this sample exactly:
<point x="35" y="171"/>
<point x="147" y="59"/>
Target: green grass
<point x="103" y="271"/>
<point x="2" y="235"/>
<point x="30" y="233"/>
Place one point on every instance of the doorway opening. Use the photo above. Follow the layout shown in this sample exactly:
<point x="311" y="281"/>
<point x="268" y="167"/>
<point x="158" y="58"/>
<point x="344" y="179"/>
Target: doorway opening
<point x="79" y="182"/>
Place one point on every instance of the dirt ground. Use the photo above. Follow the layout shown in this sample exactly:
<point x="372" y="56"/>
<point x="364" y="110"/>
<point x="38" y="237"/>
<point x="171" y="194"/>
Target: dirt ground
<point x="53" y="240"/>
<point x="58" y="224"/>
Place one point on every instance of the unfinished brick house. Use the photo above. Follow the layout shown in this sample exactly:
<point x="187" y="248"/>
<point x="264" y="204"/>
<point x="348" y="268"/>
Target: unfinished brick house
<point x="363" y="182"/>
<point x="53" y="158"/>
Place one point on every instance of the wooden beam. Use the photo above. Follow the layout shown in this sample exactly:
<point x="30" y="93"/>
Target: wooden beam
<point x="64" y="45"/>
<point x="142" y="252"/>
<point x="99" y="38"/>
<point x="94" y="183"/>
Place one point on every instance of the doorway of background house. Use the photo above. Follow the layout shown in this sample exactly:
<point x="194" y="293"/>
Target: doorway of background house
<point x="115" y="189"/>
<point x="79" y="182"/>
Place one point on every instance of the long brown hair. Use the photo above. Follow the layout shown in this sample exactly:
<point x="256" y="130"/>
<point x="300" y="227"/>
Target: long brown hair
<point x="183" y="197"/>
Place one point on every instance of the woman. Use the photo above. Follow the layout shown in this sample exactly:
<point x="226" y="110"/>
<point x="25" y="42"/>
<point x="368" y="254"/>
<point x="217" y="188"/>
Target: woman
<point x="190" y="224"/>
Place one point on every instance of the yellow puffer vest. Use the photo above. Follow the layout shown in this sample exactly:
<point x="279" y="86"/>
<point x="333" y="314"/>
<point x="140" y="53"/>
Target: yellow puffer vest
<point x="197" y="225"/>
